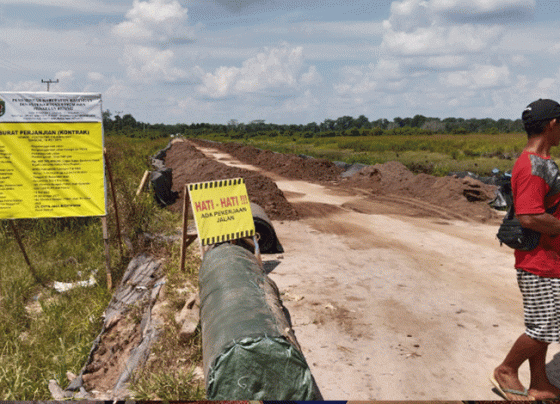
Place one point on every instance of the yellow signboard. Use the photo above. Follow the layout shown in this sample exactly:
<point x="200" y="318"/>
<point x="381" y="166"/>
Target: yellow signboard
<point x="222" y="210"/>
<point x="51" y="170"/>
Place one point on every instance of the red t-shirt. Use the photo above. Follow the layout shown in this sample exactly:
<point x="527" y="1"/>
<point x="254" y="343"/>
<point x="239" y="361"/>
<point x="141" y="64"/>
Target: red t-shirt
<point x="535" y="185"/>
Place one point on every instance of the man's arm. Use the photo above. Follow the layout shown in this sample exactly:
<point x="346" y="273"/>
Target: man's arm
<point x="543" y="223"/>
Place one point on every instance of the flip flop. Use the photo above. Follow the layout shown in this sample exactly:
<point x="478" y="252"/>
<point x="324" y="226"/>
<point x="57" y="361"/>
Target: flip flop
<point x="504" y="392"/>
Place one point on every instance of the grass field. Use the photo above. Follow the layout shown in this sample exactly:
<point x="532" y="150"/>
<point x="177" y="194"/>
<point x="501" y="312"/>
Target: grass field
<point x="433" y="154"/>
<point x="45" y="334"/>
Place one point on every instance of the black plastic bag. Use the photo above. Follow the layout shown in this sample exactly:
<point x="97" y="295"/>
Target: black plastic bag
<point x="512" y="234"/>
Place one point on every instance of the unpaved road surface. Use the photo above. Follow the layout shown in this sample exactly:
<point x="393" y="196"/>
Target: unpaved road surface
<point x="391" y="302"/>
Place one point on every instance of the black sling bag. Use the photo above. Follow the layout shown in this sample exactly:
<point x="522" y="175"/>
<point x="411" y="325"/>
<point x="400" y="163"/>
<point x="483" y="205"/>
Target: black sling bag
<point x="513" y="235"/>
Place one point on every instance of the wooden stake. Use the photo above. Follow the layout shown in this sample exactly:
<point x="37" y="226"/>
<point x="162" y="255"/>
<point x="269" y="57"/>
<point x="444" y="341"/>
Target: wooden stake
<point x="186" y="239"/>
<point x="258" y="251"/>
<point x="20" y="243"/>
<point x="110" y="175"/>
<point x="185" y="224"/>
<point x="107" y="256"/>
<point x="143" y="182"/>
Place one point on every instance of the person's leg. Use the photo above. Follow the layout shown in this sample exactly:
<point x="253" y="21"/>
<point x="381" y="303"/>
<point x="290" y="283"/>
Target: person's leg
<point x="541" y="388"/>
<point x="541" y="307"/>
<point x="506" y="374"/>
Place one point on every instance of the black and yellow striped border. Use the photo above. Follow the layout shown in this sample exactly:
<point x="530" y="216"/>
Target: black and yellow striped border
<point x="227" y="237"/>
<point x="215" y="184"/>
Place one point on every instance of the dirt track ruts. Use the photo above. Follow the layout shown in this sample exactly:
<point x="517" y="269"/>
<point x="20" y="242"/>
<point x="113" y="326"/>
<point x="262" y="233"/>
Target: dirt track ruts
<point x="394" y="298"/>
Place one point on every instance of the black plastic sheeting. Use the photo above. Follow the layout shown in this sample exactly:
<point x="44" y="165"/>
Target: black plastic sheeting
<point x="504" y="196"/>
<point x="268" y="241"/>
<point x="249" y="349"/>
<point x="162" y="179"/>
<point x="139" y="287"/>
<point x="162" y="182"/>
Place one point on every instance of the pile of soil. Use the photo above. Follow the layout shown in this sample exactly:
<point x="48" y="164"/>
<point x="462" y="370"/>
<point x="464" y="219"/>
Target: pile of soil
<point x="190" y="166"/>
<point x="287" y="165"/>
<point x="468" y="197"/>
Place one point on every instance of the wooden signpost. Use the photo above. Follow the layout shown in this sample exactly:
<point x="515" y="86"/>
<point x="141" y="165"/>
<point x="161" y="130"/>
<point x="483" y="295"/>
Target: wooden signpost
<point x="52" y="160"/>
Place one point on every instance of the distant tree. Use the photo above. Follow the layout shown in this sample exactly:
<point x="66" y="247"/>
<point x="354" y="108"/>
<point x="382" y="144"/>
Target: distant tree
<point x="361" y="122"/>
<point x="433" y="125"/>
<point x="327" y="124"/>
<point x="459" y="131"/>
<point x="343" y="123"/>
<point x="128" y="121"/>
<point x="312" y="127"/>
<point x="107" y="122"/>
<point x="399" y="122"/>
<point x="380" y="123"/>
<point x="418" y="121"/>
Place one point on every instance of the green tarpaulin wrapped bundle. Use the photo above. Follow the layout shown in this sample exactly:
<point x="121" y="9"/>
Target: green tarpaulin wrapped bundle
<point x="249" y="349"/>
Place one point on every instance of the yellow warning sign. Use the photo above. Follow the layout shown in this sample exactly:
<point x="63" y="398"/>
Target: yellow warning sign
<point x="222" y="210"/>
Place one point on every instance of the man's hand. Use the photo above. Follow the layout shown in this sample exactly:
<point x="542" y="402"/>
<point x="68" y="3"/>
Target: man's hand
<point x="544" y="223"/>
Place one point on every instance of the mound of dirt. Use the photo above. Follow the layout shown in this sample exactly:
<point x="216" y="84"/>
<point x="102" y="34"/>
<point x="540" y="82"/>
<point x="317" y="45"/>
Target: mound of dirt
<point x="286" y="165"/>
<point x="466" y="196"/>
<point x="190" y="166"/>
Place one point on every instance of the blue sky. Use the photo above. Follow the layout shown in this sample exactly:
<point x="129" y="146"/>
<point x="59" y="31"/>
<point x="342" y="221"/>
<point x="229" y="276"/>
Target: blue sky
<point x="286" y="61"/>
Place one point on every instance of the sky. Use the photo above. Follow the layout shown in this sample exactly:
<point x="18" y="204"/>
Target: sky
<point x="286" y="61"/>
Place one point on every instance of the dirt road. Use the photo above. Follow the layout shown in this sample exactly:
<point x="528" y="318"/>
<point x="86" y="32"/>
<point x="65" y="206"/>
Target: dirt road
<point x="391" y="304"/>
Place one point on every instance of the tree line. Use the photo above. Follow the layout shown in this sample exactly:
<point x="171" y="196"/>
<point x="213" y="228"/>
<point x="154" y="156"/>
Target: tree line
<point x="342" y="126"/>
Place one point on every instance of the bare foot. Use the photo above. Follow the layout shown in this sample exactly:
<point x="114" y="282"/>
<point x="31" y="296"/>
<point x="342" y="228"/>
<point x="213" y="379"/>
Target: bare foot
<point x="545" y="392"/>
<point x="509" y="386"/>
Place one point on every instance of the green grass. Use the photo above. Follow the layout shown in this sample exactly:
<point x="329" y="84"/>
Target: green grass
<point x="43" y="333"/>
<point x="169" y="385"/>
<point x="433" y="154"/>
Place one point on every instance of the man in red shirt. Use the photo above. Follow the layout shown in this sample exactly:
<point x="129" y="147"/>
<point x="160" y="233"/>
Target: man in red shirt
<point x="536" y="191"/>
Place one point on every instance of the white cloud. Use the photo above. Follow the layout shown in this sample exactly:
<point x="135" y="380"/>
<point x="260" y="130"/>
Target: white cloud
<point x="490" y="76"/>
<point x="276" y="69"/>
<point x="441" y="40"/>
<point x="324" y="29"/>
<point x="356" y="82"/>
<point x="302" y="104"/>
<point x="386" y="75"/>
<point x="118" y="90"/>
<point x="311" y="77"/>
<point x="188" y="107"/>
<point x="154" y="20"/>
<point x="147" y="63"/>
<point x="95" y="76"/>
<point x="479" y="77"/>
<point x="456" y="79"/>
<point x="65" y="82"/>
<point x="409" y="15"/>
<point x="387" y="70"/>
<point x="546" y="84"/>
<point x="519" y="60"/>
<point x="65" y="76"/>
<point x="445" y="27"/>
<point x="445" y="62"/>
